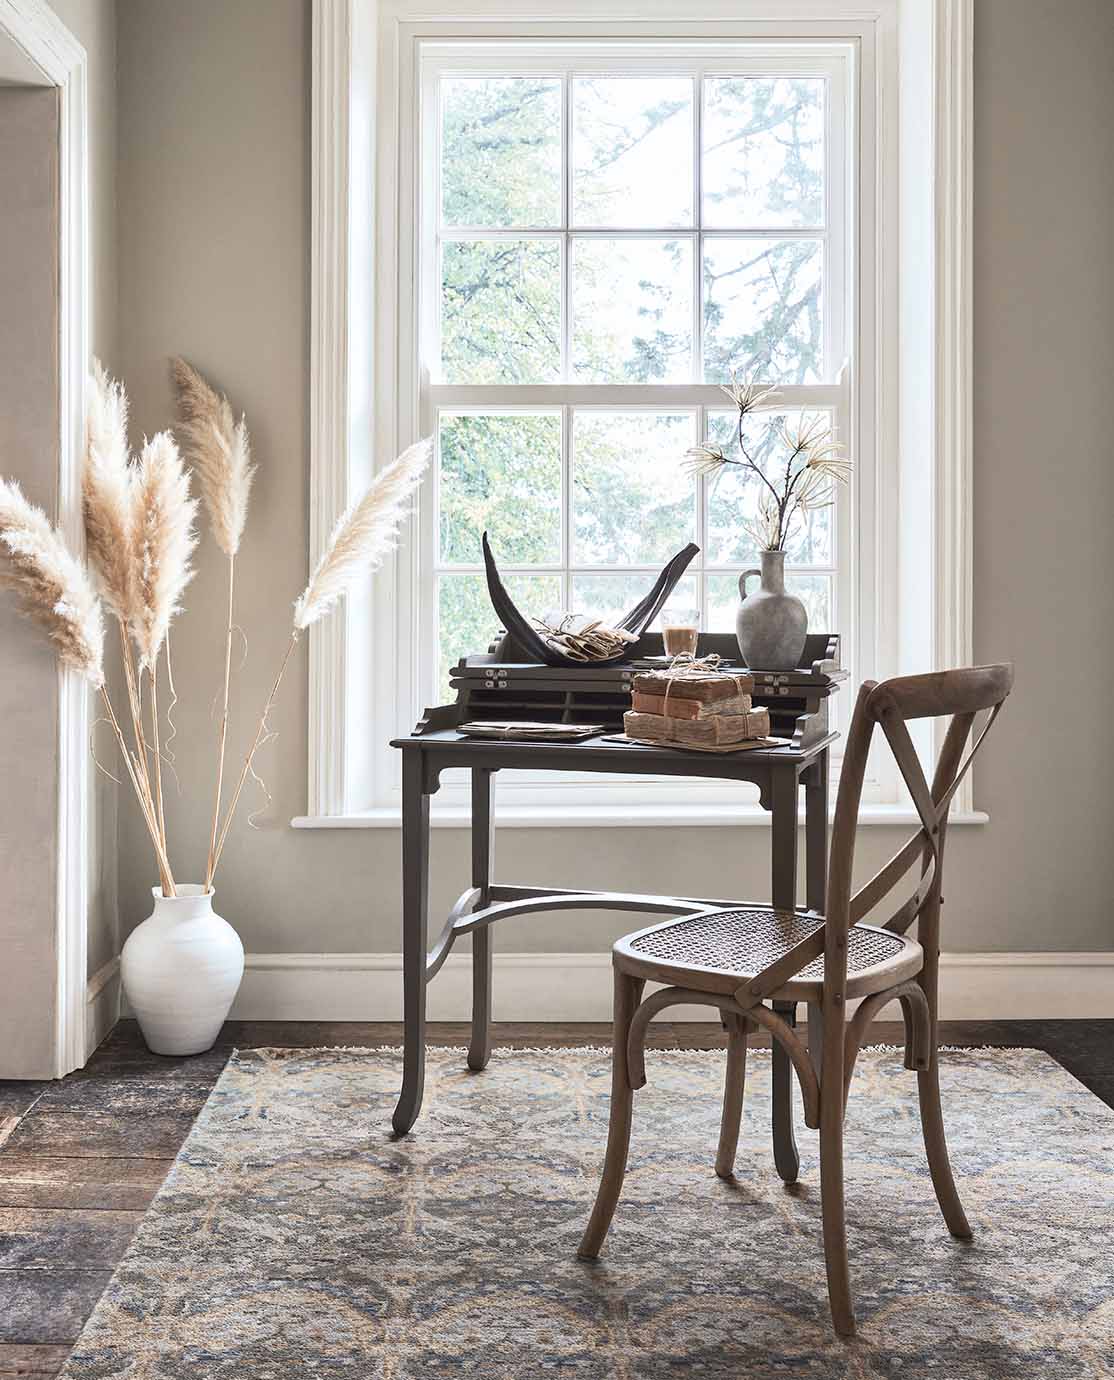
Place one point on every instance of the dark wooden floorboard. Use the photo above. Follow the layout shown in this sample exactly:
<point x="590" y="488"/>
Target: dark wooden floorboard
<point x="47" y="1307"/>
<point x="110" y="1184"/>
<point x="31" y="1239"/>
<point x="99" y="1135"/>
<point x="81" y="1159"/>
<point x="31" y="1362"/>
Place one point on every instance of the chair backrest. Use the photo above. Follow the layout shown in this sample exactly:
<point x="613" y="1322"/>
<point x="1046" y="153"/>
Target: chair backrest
<point x="961" y="694"/>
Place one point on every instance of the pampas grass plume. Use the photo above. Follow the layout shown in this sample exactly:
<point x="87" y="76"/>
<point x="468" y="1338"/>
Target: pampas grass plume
<point x="106" y="496"/>
<point x="165" y="540"/>
<point x="219" y="450"/>
<point x="54" y="586"/>
<point x="363" y="535"/>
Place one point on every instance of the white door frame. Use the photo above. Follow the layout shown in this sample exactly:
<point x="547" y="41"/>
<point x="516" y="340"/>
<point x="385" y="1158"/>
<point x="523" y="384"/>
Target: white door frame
<point x="37" y="31"/>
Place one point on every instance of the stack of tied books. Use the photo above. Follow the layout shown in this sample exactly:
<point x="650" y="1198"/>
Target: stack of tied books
<point x="707" y="710"/>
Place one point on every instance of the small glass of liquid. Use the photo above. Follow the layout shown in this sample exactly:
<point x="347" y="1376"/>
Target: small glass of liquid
<point x="680" y="629"/>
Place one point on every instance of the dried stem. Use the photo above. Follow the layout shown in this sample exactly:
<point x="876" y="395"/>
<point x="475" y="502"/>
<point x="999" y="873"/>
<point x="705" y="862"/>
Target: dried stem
<point x="144" y="776"/>
<point x="153" y="672"/>
<point x="133" y="696"/>
<point x="260" y="734"/>
<point x="750" y="460"/>
<point x="130" y="761"/>
<point x="212" y="863"/>
<point x="362" y="536"/>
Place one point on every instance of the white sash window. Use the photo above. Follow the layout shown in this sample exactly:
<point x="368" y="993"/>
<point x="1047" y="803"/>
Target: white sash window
<point x="607" y="230"/>
<point x="544" y="237"/>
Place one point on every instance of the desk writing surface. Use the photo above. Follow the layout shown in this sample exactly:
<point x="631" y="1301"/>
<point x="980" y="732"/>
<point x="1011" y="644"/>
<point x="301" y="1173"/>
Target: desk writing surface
<point x="601" y="755"/>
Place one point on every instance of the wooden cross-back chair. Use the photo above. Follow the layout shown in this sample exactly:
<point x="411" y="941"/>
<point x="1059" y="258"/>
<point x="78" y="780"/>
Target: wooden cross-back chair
<point x="737" y="959"/>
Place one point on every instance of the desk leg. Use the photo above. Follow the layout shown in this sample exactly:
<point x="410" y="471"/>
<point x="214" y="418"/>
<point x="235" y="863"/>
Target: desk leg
<point x="483" y="852"/>
<point x="783" y="845"/>
<point x="415" y="911"/>
<point x="816" y="875"/>
<point x="816" y="833"/>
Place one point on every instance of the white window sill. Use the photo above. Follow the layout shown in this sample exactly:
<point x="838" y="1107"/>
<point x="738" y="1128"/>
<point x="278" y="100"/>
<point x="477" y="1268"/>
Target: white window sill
<point x="612" y="817"/>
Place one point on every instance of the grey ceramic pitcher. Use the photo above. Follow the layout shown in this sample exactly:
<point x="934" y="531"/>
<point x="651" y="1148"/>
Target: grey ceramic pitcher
<point x="771" y="624"/>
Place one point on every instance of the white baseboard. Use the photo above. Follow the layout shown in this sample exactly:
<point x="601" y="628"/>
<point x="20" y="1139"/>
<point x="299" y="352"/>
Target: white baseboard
<point x="577" y="987"/>
<point x="102" y="1004"/>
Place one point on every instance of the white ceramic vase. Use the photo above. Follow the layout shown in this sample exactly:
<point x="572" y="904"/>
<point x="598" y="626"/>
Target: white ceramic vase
<point x="181" y="970"/>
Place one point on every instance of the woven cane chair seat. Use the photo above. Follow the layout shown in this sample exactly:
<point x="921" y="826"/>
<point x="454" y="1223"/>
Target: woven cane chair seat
<point x="740" y="943"/>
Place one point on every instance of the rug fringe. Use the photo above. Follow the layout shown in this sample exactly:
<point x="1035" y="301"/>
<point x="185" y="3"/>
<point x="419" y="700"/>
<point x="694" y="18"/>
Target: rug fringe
<point x="509" y="1051"/>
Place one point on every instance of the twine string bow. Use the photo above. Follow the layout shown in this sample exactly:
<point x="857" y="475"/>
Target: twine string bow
<point x="688" y="666"/>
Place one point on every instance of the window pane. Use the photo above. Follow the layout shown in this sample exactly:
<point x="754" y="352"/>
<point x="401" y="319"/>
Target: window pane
<point x="632" y="310"/>
<point x="632" y="502"/>
<point x="815" y="591"/>
<point x="763" y="152"/>
<point x="500" y="474"/>
<point x="733" y="492"/>
<point x="501" y="311"/>
<point x="632" y="151"/>
<point x="467" y="622"/>
<point x="612" y="596"/>
<point x="501" y="151"/>
<point x="762" y="309"/>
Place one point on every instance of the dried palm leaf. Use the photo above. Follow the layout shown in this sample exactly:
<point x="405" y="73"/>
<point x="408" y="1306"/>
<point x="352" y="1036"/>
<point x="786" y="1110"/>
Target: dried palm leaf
<point x="363" y="535"/>
<point x="705" y="459"/>
<point x="53" y="585"/>
<point x="219" y="449"/>
<point x="748" y="394"/>
<point x="106" y="493"/>
<point x="165" y="540"/>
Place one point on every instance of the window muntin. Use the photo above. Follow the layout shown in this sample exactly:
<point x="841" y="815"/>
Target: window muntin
<point x="711" y="230"/>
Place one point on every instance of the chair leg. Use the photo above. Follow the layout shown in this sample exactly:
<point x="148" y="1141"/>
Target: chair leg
<point x="787" y="1159"/>
<point x="628" y="994"/>
<point x="831" y="1185"/>
<point x="733" y="1088"/>
<point x="936" y="1148"/>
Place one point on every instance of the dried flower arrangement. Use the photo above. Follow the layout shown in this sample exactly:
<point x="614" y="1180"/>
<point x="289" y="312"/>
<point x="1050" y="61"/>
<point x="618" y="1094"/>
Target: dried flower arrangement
<point x="815" y="463"/>
<point x="140" y="536"/>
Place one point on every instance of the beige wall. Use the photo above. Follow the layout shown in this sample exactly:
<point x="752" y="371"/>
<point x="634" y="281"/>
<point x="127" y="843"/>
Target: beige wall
<point x="214" y="242"/>
<point x="93" y="24"/>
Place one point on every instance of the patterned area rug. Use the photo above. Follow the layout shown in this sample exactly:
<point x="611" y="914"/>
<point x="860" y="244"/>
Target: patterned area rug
<point x="294" y="1238"/>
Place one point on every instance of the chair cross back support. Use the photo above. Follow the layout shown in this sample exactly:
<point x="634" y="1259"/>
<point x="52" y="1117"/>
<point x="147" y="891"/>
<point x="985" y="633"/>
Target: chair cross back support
<point x="932" y="804"/>
<point x="890" y="705"/>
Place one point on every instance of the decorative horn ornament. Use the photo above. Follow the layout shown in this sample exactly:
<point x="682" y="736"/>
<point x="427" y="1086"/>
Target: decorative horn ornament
<point x="636" y="622"/>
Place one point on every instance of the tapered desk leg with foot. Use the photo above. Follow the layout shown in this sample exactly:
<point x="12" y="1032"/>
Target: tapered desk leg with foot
<point x="483" y="853"/>
<point x="783" y="846"/>
<point x="415" y="909"/>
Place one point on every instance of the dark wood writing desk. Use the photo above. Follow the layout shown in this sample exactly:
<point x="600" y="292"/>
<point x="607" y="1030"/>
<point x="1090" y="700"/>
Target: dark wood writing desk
<point x="778" y="772"/>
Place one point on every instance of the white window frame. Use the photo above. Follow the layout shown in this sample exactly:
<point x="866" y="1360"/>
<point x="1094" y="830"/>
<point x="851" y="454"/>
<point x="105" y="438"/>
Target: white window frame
<point x="911" y="404"/>
<point x="834" y="63"/>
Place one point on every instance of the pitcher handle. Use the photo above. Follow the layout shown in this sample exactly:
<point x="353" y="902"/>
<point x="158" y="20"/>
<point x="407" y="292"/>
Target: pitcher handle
<point x="743" y="578"/>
